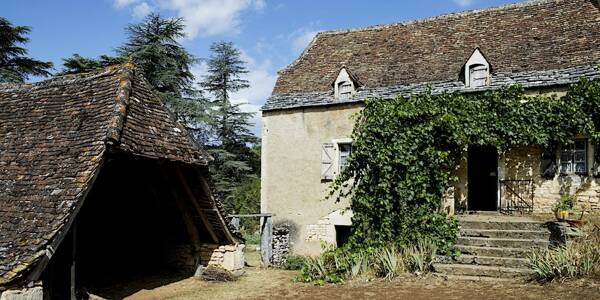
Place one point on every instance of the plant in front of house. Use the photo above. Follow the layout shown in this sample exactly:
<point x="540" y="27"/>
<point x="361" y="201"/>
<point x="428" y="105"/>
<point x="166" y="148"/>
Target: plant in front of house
<point x="406" y="151"/>
<point x="564" y="206"/>
<point x="577" y="258"/>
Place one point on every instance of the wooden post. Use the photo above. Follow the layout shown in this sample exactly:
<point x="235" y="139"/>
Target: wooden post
<point x="266" y="240"/>
<point x="73" y="254"/>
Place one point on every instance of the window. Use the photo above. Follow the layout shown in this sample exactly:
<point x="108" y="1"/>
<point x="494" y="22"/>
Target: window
<point x="344" y="149"/>
<point x="345" y="90"/>
<point x="342" y="234"/>
<point x="478" y="76"/>
<point x="573" y="157"/>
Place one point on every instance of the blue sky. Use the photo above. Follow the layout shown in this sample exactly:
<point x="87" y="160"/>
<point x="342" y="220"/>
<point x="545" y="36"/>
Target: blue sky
<point x="271" y="34"/>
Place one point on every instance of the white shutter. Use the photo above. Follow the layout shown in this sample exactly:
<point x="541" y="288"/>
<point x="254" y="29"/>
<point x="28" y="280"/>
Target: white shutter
<point x="327" y="156"/>
<point x="478" y="76"/>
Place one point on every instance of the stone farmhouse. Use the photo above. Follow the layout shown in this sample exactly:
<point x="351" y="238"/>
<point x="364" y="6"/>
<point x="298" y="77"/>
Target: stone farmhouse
<point x="98" y="185"/>
<point x="307" y="122"/>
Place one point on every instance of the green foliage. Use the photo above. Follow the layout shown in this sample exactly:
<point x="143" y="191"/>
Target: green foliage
<point x="294" y="262"/>
<point x="79" y="64"/>
<point x="405" y="152"/>
<point x="246" y="200"/>
<point x="565" y="203"/>
<point x="231" y="145"/>
<point x="579" y="257"/>
<point x="15" y="66"/>
<point x="337" y="265"/>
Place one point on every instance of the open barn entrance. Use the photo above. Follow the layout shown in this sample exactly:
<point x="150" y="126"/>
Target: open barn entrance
<point x="130" y="234"/>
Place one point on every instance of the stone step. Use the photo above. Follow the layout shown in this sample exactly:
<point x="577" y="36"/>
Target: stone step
<point x="511" y="262"/>
<point x="515" y="234"/>
<point x="481" y="271"/>
<point x="502" y="242"/>
<point x="477" y="278"/>
<point x="493" y="251"/>
<point x="503" y="225"/>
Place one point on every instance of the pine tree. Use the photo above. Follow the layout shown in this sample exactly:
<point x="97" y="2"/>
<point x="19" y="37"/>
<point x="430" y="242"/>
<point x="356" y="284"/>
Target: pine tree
<point x="153" y="47"/>
<point x="79" y="64"/>
<point x="15" y="66"/>
<point x="231" y="146"/>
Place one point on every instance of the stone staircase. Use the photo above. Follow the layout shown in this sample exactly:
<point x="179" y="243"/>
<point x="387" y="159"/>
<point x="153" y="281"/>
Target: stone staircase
<point x="494" y="246"/>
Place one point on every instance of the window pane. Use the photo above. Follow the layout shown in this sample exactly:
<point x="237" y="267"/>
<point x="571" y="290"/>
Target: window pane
<point x="565" y="156"/>
<point x="580" y="145"/>
<point x="565" y="167"/>
<point x="580" y="168"/>
<point x="580" y="156"/>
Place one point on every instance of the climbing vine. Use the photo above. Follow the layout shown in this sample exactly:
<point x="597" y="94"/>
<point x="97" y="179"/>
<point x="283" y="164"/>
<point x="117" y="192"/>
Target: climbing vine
<point x="405" y="152"/>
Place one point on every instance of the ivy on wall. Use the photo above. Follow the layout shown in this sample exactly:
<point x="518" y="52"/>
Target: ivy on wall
<point x="405" y="152"/>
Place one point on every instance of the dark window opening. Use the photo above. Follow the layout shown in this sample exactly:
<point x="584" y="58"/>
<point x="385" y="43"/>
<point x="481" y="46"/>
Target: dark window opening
<point x="342" y="234"/>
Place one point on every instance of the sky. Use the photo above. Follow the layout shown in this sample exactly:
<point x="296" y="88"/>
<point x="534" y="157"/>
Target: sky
<point x="269" y="34"/>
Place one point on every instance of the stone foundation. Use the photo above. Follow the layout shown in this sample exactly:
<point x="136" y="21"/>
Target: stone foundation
<point x="229" y="257"/>
<point x="281" y="245"/>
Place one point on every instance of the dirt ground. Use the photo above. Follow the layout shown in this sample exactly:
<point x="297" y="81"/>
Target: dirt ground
<point x="260" y="283"/>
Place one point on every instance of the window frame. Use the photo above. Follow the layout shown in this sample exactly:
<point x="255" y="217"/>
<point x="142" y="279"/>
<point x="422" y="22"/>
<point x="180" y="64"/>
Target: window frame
<point x="572" y="152"/>
<point x="342" y="93"/>
<point x="341" y="165"/>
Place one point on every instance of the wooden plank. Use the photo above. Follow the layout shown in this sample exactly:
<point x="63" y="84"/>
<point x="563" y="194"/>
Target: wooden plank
<point x="194" y="201"/>
<point x="73" y="254"/>
<point x="252" y="215"/>
<point x="206" y="189"/>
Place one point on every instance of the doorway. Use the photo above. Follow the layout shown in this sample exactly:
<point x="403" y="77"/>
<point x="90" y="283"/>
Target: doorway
<point x="482" y="178"/>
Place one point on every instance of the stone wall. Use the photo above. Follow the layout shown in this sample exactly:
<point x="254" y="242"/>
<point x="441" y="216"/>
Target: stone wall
<point x="32" y="293"/>
<point x="229" y="257"/>
<point x="281" y="245"/>
<point x="525" y="163"/>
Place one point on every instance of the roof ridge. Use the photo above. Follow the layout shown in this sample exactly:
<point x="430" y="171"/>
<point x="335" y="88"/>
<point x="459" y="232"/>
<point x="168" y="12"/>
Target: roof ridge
<point x="526" y="3"/>
<point x="463" y="13"/>
<point x="126" y="78"/>
<point x="66" y="78"/>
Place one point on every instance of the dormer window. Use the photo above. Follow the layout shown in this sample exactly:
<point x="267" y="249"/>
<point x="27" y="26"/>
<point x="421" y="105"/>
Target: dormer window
<point x="478" y="76"/>
<point x="345" y="85"/>
<point x="345" y="90"/>
<point x="476" y="70"/>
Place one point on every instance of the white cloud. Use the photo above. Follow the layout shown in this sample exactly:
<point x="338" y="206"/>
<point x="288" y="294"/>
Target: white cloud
<point x="141" y="10"/>
<point x="124" y="3"/>
<point x="202" y="17"/>
<point x="301" y="38"/>
<point x="464" y="3"/>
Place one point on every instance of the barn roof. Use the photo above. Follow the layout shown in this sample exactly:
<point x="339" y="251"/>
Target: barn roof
<point x="54" y="136"/>
<point x="524" y="43"/>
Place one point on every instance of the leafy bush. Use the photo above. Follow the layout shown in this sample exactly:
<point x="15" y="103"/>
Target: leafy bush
<point x="405" y="153"/>
<point x="419" y="258"/>
<point x="337" y="265"/>
<point x="577" y="258"/>
<point x="294" y="262"/>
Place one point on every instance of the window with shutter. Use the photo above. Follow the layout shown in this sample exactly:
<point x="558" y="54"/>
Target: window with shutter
<point x="344" y="149"/>
<point x="478" y="76"/>
<point x="327" y="156"/>
<point x="345" y="90"/>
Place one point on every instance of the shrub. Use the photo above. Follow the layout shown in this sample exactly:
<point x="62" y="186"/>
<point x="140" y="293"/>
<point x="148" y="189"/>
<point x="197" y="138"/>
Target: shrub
<point x="577" y="258"/>
<point x="336" y="265"/>
<point x="294" y="262"/>
<point x="419" y="258"/>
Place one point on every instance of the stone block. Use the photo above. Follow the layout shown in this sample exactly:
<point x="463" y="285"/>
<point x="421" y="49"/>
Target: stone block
<point x="34" y="293"/>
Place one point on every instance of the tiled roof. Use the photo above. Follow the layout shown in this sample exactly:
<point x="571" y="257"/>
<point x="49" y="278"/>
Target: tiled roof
<point x="518" y="38"/>
<point x="53" y="139"/>
<point x="526" y="79"/>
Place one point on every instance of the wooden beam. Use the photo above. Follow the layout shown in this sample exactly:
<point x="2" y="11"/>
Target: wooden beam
<point x="206" y="189"/>
<point x="187" y="218"/>
<point x="253" y="215"/>
<point x="73" y="260"/>
<point x="194" y="201"/>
